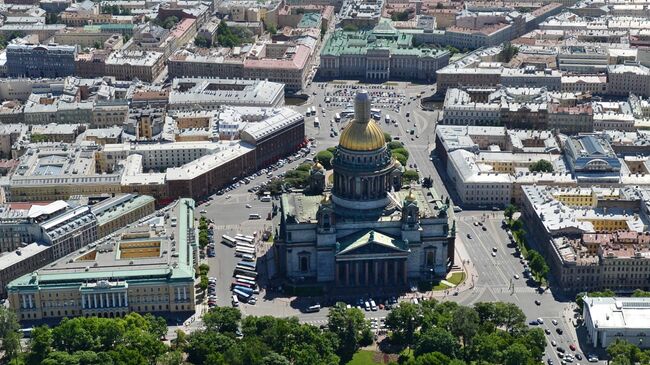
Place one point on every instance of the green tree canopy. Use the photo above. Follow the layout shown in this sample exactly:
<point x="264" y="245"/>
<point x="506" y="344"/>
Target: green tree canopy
<point x="350" y="327"/>
<point x="325" y="159"/>
<point x="541" y="166"/>
<point x="410" y="175"/>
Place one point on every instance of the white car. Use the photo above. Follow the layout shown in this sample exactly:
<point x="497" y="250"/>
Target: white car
<point x="248" y="206"/>
<point x="517" y="276"/>
<point x="366" y="305"/>
<point x="540" y="321"/>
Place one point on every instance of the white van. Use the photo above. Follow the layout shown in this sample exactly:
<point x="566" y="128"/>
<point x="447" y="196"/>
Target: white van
<point x="235" y="301"/>
<point x="265" y="199"/>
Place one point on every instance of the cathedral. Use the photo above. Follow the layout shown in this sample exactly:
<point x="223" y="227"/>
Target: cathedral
<point x="364" y="230"/>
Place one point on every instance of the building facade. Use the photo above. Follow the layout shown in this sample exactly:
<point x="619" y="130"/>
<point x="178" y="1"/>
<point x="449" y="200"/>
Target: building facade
<point x="29" y="60"/>
<point x="149" y="273"/>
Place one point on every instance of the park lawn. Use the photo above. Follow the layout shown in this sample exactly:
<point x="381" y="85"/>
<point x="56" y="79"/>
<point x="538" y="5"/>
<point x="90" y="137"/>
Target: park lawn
<point x="363" y="357"/>
<point x="456" y="278"/>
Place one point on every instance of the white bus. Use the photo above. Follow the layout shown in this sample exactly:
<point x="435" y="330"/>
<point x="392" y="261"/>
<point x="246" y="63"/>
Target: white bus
<point x="228" y="241"/>
<point x="241" y="251"/>
<point x="316" y="122"/>
<point x="241" y="237"/>
<point x="337" y="117"/>
<point x="387" y="118"/>
<point x="245" y="245"/>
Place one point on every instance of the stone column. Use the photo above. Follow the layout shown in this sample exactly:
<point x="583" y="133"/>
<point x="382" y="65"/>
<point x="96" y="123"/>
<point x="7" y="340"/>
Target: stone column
<point x="336" y="268"/>
<point x="385" y="272"/>
<point x="126" y="299"/>
<point x="376" y="265"/>
<point x="119" y="299"/>
<point x="83" y="301"/>
<point x="24" y="301"/>
<point x="395" y="272"/>
<point x="95" y="300"/>
<point x="347" y="273"/>
<point x="184" y="293"/>
<point x="366" y="276"/>
<point x="404" y="263"/>
<point x="31" y="304"/>
<point x="101" y="300"/>
<point x="113" y="300"/>
<point x="357" y="268"/>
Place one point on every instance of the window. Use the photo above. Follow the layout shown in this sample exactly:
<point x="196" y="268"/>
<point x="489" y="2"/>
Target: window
<point x="431" y="260"/>
<point x="304" y="263"/>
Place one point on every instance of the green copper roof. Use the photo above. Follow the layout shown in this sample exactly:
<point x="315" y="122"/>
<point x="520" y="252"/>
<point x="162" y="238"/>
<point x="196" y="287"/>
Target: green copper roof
<point x="310" y="20"/>
<point x="182" y="268"/>
<point x="382" y="37"/>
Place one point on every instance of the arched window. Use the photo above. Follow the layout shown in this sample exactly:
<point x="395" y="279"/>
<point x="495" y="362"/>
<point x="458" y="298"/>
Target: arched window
<point x="304" y="263"/>
<point x="431" y="260"/>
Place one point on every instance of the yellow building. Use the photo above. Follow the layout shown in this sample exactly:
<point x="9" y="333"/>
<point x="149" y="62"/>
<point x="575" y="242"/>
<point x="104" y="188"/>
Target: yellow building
<point x="143" y="270"/>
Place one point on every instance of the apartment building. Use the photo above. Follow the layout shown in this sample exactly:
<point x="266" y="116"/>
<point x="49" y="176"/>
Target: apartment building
<point x="282" y="62"/>
<point x="595" y="238"/>
<point x="37" y="60"/>
<point x="130" y="65"/>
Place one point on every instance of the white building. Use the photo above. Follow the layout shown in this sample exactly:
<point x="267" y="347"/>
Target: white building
<point x="609" y="319"/>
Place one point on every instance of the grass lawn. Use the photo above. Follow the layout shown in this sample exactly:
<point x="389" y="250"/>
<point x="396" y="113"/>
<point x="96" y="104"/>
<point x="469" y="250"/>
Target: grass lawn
<point x="364" y="357"/>
<point x="456" y="278"/>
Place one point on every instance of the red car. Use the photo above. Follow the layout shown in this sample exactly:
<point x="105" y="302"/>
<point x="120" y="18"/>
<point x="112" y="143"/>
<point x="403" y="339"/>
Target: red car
<point x="572" y="347"/>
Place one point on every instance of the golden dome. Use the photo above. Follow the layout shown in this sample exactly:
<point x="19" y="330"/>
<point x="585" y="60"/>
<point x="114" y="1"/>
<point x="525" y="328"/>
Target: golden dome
<point x="359" y="136"/>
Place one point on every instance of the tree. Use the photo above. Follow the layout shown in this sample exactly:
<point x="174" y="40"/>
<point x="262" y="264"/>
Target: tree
<point x="623" y="349"/>
<point x="399" y="16"/>
<point x="203" y="42"/>
<point x="387" y="137"/>
<point x="410" y="175"/>
<point x="9" y="335"/>
<point x="37" y="138"/>
<point x="510" y="211"/>
<point x="535" y="341"/>
<point x="40" y="345"/>
<point x="403" y="322"/>
<point x="638" y="293"/>
<point x="226" y="37"/>
<point x="541" y="166"/>
<point x="275" y="359"/>
<point x="349" y="325"/>
<point x="399" y="157"/>
<point x="436" y="339"/>
<point x="538" y="265"/>
<point x="507" y="52"/>
<point x="395" y="145"/>
<point x="222" y="319"/>
<point x="516" y="354"/>
<point x="464" y="324"/>
<point x="272" y="29"/>
<point x="325" y="159"/>
<point x="401" y="151"/>
<point x="350" y="28"/>
<point x="97" y="45"/>
<point x="157" y="325"/>
<point x="203" y="283"/>
<point x="170" y="358"/>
